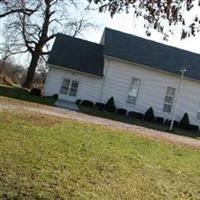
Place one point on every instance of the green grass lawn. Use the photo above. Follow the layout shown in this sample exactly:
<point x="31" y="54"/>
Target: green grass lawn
<point x="138" y="122"/>
<point x="43" y="157"/>
<point x="21" y="94"/>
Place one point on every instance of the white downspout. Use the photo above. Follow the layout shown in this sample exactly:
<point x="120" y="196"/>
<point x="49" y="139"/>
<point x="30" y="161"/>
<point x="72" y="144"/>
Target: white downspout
<point x="183" y="70"/>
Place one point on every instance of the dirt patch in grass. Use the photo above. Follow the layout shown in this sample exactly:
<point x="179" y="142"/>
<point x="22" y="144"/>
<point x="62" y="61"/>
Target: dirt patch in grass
<point x="43" y="120"/>
<point x="32" y="118"/>
<point x="17" y="102"/>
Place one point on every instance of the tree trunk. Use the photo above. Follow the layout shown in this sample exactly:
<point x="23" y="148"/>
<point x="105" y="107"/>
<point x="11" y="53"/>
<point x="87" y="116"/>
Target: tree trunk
<point x="31" y="71"/>
<point x="2" y="66"/>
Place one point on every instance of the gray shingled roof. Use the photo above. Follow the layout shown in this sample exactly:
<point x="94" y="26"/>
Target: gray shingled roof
<point x="87" y="57"/>
<point x="77" y="54"/>
<point x="146" y="52"/>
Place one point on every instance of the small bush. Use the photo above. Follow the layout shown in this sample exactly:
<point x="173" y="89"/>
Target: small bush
<point x="87" y="103"/>
<point x="139" y="115"/>
<point x="160" y="120"/>
<point x="149" y="115"/>
<point x="78" y="102"/>
<point x="35" y="92"/>
<point x="121" y="111"/>
<point x="194" y="127"/>
<point x="112" y="109"/>
<point x="100" y="106"/>
<point x="55" y="96"/>
<point x="132" y="114"/>
<point x="185" y="122"/>
<point x="167" y="122"/>
<point x="110" y="105"/>
<point x="176" y="124"/>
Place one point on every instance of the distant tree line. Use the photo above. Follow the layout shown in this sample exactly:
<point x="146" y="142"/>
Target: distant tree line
<point x="16" y="74"/>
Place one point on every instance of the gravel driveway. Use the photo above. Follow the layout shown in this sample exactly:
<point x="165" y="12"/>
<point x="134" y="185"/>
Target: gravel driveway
<point x="21" y="106"/>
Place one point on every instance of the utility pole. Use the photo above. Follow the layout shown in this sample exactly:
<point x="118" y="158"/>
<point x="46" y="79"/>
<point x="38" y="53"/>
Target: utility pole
<point x="183" y="70"/>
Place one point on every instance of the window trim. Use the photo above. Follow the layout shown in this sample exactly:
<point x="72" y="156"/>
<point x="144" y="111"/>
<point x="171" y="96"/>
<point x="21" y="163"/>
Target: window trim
<point x="167" y="103"/>
<point x="70" y="89"/>
<point x="198" y="112"/>
<point x="61" y="88"/>
<point x="138" y="89"/>
<point x="71" y="79"/>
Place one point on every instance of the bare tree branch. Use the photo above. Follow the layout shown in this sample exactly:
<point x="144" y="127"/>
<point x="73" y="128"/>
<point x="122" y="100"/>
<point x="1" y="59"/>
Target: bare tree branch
<point x="27" y="42"/>
<point x="25" y="11"/>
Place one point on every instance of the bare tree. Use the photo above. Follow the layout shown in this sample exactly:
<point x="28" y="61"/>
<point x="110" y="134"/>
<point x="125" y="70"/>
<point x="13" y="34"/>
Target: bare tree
<point x="35" y="32"/>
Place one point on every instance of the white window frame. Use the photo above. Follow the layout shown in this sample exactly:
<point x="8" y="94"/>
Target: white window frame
<point x="166" y="102"/>
<point x="62" y="86"/>
<point x="71" y="80"/>
<point x="198" y="112"/>
<point x="133" y="90"/>
<point x="75" y="88"/>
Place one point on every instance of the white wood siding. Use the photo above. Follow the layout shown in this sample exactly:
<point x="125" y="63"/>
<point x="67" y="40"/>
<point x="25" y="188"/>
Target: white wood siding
<point x="152" y="90"/>
<point x="89" y="87"/>
<point x="118" y="75"/>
